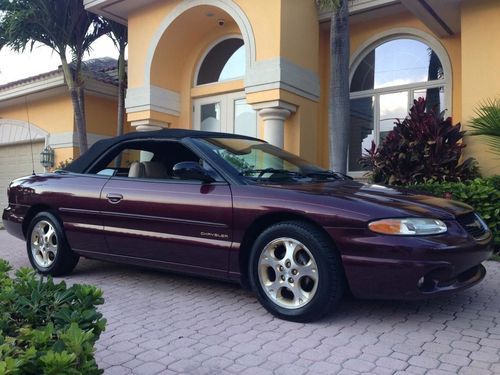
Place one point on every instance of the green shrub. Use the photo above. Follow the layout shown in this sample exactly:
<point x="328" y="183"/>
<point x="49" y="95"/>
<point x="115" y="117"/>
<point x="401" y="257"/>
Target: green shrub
<point x="495" y="180"/>
<point x="63" y="164"/>
<point x="482" y="194"/>
<point x="47" y="328"/>
<point x="487" y="123"/>
<point x="424" y="146"/>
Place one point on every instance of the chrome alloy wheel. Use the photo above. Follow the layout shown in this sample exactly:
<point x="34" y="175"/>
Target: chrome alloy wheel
<point x="288" y="273"/>
<point x="44" y="244"/>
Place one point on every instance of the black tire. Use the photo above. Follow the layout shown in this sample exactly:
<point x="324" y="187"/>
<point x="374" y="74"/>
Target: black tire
<point x="59" y="258"/>
<point x="280" y="299"/>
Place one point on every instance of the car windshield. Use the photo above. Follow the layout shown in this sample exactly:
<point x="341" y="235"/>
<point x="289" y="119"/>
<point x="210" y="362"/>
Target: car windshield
<point x="261" y="162"/>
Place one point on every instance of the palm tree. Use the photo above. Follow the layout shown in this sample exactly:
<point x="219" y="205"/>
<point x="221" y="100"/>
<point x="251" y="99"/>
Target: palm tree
<point x="119" y="34"/>
<point x="434" y="71"/>
<point x="65" y="27"/>
<point x="487" y="123"/>
<point x="339" y="104"/>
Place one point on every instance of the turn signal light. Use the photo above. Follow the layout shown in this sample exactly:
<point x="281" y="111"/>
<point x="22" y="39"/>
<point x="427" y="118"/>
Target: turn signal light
<point x="408" y="226"/>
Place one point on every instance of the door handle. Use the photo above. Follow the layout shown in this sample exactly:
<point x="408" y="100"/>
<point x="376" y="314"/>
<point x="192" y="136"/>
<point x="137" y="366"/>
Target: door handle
<point x="114" y="198"/>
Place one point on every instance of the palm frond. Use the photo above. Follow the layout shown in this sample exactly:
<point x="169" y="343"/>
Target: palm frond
<point x="329" y="4"/>
<point x="487" y="123"/>
<point x="61" y="25"/>
<point x="118" y="33"/>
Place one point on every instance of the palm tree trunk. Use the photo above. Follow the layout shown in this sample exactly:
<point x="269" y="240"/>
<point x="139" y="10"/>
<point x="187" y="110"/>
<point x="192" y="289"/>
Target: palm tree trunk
<point x="77" y="105"/>
<point x="81" y="103"/>
<point x="339" y="105"/>
<point x="79" y="120"/>
<point x="121" y="97"/>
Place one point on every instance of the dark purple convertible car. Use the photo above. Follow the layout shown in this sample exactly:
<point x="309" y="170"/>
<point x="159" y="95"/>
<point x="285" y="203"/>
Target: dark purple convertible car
<point x="236" y="208"/>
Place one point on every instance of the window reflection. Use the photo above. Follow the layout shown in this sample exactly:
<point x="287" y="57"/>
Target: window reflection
<point x="364" y="76"/>
<point x="384" y="85"/>
<point x="210" y="117"/>
<point x="434" y="97"/>
<point x="245" y="118"/>
<point x="362" y="130"/>
<point x="392" y="107"/>
<point x="397" y="62"/>
<point x="235" y="66"/>
<point x="224" y="61"/>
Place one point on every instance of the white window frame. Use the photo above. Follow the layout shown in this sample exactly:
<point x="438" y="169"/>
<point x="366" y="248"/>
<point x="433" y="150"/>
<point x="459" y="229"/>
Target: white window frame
<point x="226" y="110"/>
<point x="387" y="36"/>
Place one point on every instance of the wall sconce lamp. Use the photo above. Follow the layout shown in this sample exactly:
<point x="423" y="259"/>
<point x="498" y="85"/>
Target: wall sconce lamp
<point x="47" y="157"/>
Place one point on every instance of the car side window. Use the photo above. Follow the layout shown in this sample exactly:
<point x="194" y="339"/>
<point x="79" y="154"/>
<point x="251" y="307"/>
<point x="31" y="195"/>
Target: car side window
<point x="148" y="160"/>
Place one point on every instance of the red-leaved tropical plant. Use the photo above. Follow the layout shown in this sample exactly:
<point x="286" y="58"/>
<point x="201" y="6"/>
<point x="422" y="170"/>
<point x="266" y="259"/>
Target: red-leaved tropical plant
<point x="423" y="147"/>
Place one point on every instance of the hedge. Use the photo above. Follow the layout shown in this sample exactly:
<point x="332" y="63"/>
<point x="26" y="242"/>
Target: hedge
<point x="47" y="328"/>
<point x="481" y="193"/>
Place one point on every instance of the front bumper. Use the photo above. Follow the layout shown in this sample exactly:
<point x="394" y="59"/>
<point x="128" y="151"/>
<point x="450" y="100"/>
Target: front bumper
<point x="396" y="267"/>
<point x="12" y="219"/>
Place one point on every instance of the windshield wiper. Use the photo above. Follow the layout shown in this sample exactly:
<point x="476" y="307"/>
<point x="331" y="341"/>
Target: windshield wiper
<point x="334" y="175"/>
<point x="262" y="172"/>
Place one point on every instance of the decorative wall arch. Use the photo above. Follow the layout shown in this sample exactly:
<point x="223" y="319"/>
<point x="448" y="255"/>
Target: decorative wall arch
<point x="162" y="98"/>
<point x="228" y="6"/>
<point x="18" y="131"/>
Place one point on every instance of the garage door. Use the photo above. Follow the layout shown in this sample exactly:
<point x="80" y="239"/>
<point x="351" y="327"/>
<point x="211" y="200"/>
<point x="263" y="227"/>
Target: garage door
<point x="15" y="161"/>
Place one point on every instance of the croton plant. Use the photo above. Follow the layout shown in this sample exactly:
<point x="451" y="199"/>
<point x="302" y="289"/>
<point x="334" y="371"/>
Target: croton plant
<point x="424" y="146"/>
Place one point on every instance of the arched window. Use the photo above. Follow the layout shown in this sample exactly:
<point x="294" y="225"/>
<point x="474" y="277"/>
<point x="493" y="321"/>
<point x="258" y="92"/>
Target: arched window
<point x="225" y="61"/>
<point x="384" y="84"/>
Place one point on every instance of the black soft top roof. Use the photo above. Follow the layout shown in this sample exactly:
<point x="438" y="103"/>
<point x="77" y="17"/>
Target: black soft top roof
<point x="81" y="164"/>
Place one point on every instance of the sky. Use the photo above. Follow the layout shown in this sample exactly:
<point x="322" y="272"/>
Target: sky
<point x="401" y="61"/>
<point x="15" y="66"/>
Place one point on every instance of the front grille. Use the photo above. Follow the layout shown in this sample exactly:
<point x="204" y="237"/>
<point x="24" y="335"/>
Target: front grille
<point x="473" y="225"/>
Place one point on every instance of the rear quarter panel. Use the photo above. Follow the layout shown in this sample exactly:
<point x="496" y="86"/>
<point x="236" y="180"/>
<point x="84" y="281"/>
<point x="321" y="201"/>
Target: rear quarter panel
<point x="74" y="197"/>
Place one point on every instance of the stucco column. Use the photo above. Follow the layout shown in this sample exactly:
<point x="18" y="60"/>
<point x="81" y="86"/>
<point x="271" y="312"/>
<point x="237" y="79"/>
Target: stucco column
<point x="274" y="115"/>
<point x="274" y="125"/>
<point x="149" y="125"/>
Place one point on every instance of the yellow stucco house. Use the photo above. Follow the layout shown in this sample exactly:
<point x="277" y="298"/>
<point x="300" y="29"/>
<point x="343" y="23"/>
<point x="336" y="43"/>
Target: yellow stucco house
<point x="261" y="68"/>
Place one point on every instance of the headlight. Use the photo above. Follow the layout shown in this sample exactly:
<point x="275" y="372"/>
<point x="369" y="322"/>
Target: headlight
<point x="408" y="226"/>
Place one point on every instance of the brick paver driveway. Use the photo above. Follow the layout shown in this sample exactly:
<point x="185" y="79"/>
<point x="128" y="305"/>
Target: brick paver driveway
<point x="164" y="323"/>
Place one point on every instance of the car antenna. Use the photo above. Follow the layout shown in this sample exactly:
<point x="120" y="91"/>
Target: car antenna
<point x="29" y="133"/>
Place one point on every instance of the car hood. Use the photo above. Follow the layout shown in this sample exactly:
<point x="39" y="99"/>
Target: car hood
<point x="381" y="200"/>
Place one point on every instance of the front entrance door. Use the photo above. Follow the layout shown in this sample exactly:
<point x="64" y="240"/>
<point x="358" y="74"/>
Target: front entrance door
<point x="228" y="113"/>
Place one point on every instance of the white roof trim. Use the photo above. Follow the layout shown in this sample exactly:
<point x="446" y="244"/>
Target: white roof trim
<point x="53" y="81"/>
<point x="32" y="87"/>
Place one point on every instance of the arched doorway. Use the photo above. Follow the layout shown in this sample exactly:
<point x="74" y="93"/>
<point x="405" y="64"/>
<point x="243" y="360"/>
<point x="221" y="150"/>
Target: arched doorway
<point x="164" y="90"/>
<point x="174" y="76"/>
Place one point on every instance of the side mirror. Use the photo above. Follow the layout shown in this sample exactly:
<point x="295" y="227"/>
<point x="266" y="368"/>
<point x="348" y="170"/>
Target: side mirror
<point x="191" y="170"/>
